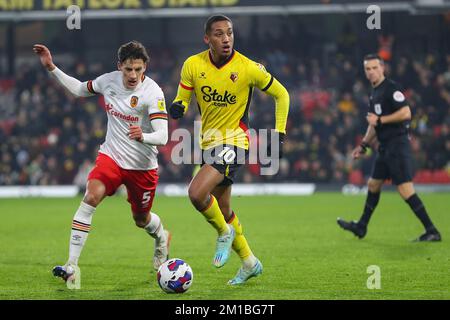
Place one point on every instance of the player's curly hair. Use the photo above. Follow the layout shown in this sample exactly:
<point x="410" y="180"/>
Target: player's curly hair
<point x="132" y="50"/>
<point x="215" y="18"/>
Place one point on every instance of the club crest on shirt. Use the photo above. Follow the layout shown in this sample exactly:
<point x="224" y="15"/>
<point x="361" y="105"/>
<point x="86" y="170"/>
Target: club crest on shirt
<point x="261" y="67"/>
<point x="234" y="76"/>
<point x="134" y="101"/>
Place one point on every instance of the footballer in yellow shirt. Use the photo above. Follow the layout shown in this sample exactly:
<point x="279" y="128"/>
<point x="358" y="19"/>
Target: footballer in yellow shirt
<point x="223" y="81"/>
<point x="224" y="94"/>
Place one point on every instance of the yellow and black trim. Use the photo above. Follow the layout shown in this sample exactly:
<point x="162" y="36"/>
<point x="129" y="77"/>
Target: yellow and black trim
<point x="269" y="84"/>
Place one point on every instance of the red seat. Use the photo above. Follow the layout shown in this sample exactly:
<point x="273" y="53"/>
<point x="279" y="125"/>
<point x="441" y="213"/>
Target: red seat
<point x="356" y="177"/>
<point x="440" y="176"/>
<point x="423" y="176"/>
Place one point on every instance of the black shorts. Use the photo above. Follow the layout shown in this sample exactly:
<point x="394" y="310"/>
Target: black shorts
<point x="226" y="159"/>
<point x="394" y="161"/>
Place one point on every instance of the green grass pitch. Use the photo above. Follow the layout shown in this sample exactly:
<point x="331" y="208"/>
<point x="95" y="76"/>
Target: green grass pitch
<point x="304" y="253"/>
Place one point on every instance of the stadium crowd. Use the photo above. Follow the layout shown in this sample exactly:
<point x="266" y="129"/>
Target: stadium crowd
<point x="49" y="137"/>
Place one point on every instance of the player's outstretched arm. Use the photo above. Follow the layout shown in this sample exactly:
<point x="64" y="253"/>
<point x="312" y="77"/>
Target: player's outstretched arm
<point x="76" y="87"/>
<point x="45" y="56"/>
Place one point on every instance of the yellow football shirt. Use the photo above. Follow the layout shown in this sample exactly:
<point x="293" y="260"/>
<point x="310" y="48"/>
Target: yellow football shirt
<point x="223" y="96"/>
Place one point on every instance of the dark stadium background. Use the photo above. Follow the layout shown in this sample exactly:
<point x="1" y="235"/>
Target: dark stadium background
<point x="314" y="48"/>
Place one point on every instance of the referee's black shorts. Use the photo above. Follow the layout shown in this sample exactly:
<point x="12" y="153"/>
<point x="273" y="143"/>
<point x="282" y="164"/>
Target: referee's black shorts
<point x="394" y="161"/>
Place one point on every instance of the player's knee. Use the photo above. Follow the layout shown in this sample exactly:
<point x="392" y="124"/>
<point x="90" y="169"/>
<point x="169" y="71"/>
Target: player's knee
<point x="141" y="220"/>
<point x="406" y="190"/>
<point x="140" y="223"/>
<point x="374" y="186"/>
<point x="198" y="199"/>
<point x="92" y="199"/>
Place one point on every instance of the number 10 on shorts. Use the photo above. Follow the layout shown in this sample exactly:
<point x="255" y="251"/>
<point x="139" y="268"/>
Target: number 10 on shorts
<point x="227" y="154"/>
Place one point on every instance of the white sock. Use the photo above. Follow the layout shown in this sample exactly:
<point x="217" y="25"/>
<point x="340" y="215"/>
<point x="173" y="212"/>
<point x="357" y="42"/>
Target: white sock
<point x="81" y="226"/>
<point x="155" y="228"/>
<point x="249" y="262"/>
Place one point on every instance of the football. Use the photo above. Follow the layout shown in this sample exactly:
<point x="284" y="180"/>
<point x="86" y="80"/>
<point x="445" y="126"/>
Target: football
<point x="175" y="276"/>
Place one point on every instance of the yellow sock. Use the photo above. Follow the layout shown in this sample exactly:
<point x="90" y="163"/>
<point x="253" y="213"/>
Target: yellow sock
<point x="240" y="244"/>
<point x="214" y="216"/>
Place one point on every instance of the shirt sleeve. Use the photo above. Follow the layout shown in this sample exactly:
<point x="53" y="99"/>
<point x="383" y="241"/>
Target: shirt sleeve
<point x="97" y="86"/>
<point x="281" y="96"/>
<point x="186" y="85"/>
<point x="259" y="76"/>
<point x="186" y="80"/>
<point x="397" y="98"/>
<point x="160" y="134"/>
<point x="73" y="85"/>
<point x="263" y="80"/>
<point x="157" y="106"/>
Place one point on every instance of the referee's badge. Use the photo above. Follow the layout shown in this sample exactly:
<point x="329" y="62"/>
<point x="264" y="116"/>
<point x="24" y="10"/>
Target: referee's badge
<point x="134" y="101"/>
<point x="377" y="108"/>
<point x="398" y="96"/>
<point x="234" y="76"/>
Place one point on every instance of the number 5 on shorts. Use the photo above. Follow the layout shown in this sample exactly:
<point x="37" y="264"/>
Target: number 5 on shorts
<point x="146" y="197"/>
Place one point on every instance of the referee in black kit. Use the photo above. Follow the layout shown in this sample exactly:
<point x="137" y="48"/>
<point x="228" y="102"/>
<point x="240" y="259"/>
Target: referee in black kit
<point x="388" y="122"/>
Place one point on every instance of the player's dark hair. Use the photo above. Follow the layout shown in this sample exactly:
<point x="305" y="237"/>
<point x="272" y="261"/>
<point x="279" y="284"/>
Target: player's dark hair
<point x="373" y="56"/>
<point x="215" y="18"/>
<point x="132" y="50"/>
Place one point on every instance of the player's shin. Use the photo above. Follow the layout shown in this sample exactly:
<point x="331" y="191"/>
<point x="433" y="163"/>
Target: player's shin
<point x="81" y="226"/>
<point x="418" y="208"/>
<point x="155" y="227"/>
<point x="162" y="240"/>
<point x="214" y="216"/>
<point x="371" y="203"/>
<point x="240" y="244"/>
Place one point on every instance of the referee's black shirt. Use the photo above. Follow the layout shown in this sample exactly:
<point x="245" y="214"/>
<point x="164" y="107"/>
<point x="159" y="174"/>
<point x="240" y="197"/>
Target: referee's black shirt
<point x="386" y="99"/>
